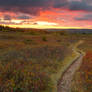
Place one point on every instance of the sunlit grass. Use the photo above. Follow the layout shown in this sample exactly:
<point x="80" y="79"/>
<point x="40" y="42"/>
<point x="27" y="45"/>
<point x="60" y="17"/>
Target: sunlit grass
<point x="35" y="60"/>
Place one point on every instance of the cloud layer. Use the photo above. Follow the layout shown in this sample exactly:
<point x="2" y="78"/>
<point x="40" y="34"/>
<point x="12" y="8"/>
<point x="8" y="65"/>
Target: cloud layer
<point x="62" y="12"/>
<point x="35" y="6"/>
<point x="87" y="17"/>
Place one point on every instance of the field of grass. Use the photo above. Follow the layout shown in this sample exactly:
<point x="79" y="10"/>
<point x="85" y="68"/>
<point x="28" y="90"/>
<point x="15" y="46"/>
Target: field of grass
<point x="33" y="61"/>
<point x="82" y="81"/>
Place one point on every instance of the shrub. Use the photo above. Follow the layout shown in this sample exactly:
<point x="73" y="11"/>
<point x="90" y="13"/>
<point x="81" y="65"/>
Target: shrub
<point x="18" y="76"/>
<point x="27" y="41"/>
<point x="44" y="38"/>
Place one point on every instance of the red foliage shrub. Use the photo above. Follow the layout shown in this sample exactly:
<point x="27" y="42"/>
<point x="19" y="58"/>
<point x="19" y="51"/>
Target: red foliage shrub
<point x="86" y="72"/>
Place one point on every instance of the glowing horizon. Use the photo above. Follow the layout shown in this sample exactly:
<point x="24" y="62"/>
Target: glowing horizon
<point x="46" y="27"/>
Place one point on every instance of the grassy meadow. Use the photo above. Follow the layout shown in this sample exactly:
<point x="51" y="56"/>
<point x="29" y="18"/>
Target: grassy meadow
<point x="82" y="81"/>
<point x="33" y="60"/>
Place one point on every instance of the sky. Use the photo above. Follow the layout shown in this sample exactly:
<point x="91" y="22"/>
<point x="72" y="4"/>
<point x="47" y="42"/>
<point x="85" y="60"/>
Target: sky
<point x="46" y="13"/>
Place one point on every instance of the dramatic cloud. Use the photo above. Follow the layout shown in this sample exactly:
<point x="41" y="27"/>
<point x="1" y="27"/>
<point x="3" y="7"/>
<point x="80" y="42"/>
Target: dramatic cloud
<point x="60" y="3"/>
<point x="64" y="13"/>
<point x="24" y="17"/>
<point x="80" y="5"/>
<point x="87" y="17"/>
<point x="75" y="5"/>
<point x="7" y="17"/>
<point x="25" y="6"/>
<point x="35" y="6"/>
<point x="17" y="3"/>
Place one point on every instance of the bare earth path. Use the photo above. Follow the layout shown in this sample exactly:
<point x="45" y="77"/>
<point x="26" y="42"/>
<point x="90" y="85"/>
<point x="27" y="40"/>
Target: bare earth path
<point x="64" y="84"/>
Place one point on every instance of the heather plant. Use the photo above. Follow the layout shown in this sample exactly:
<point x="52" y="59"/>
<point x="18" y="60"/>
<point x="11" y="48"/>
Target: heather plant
<point x="83" y="78"/>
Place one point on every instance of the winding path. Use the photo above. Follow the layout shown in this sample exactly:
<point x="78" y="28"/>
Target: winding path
<point x="64" y="84"/>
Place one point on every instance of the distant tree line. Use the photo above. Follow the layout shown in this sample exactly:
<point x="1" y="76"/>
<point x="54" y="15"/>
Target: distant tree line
<point x="7" y="29"/>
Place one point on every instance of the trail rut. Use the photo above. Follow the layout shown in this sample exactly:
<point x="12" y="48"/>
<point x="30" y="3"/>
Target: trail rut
<point x="64" y="83"/>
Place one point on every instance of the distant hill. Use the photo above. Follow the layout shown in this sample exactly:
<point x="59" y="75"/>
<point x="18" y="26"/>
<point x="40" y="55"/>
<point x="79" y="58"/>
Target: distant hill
<point x="84" y="31"/>
<point x="73" y="31"/>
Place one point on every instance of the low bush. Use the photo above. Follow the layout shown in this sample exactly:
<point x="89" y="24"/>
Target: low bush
<point x="82" y="81"/>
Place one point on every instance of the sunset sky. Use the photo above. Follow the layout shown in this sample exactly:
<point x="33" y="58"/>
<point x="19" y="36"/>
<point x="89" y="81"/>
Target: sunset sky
<point x="46" y="13"/>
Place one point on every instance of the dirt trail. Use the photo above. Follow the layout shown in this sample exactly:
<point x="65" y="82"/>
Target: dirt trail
<point x="64" y="84"/>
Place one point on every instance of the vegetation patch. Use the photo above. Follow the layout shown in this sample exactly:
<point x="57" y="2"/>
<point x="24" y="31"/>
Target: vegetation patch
<point x="82" y="81"/>
<point x="32" y="60"/>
